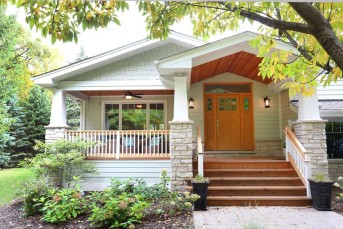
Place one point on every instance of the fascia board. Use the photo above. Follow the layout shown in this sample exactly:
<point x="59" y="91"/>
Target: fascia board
<point x="220" y="49"/>
<point x="208" y="48"/>
<point x="113" y="85"/>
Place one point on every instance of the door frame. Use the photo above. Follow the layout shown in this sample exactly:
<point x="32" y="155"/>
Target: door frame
<point x="240" y="95"/>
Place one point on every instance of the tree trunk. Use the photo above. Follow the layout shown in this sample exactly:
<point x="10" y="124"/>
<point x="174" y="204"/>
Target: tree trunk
<point x="321" y="29"/>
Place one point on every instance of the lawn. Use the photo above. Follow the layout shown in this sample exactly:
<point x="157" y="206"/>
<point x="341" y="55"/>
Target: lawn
<point x="9" y="182"/>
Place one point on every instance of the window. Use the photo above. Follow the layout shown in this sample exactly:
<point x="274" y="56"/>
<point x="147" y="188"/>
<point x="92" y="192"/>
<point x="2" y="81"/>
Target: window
<point x="334" y="139"/>
<point x="134" y="116"/>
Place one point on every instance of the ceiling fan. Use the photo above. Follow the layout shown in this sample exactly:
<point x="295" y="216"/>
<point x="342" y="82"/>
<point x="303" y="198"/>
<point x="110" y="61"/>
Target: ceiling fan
<point x="130" y="95"/>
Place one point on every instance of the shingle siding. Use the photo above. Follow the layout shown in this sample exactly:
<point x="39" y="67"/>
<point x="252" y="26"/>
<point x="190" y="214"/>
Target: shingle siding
<point x="138" y="67"/>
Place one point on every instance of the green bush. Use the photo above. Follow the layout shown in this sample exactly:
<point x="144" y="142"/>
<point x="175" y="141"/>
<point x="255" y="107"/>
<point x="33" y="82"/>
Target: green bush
<point x="62" y="162"/>
<point x="339" y="184"/>
<point x="63" y="205"/>
<point x="33" y="192"/>
<point x="113" y="211"/>
<point x="4" y="159"/>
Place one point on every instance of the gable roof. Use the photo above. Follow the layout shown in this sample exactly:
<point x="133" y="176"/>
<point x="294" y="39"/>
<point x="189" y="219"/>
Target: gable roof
<point x="213" y="51"/>
<point x="49" y="78"/>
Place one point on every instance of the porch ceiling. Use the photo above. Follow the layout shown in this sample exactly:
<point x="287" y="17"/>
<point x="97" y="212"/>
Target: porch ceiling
<point x="241" y="63"/>
<point x="122" y="93"/>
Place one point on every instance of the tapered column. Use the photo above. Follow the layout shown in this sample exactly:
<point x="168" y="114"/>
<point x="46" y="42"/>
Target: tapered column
<point x="180" y="99"/>
<point x="58" y="119"/>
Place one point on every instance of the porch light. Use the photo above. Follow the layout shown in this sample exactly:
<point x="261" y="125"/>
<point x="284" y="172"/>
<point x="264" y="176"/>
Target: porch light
<point x="128" y="96"/>
<point x="139" y="106"/>
<point x="266" y="102"/>
<point x="191" y="103"/>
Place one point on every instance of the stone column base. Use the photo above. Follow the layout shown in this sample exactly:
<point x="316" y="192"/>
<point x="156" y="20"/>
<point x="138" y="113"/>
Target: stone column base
<point x="181" y="153"/>
<point x="312" y="136"/>
<point x="53" y="133"/>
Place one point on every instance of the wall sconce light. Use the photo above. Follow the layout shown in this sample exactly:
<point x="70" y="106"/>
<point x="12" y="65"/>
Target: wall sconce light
<point x="139" y="106"/>
<point x="191" y="103"/>
<point x="266" y="102"/>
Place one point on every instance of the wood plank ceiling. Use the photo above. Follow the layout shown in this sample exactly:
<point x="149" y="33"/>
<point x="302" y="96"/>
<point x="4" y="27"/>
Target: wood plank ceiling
<point x="241" y="63"/>
<point x="122" y="93"/>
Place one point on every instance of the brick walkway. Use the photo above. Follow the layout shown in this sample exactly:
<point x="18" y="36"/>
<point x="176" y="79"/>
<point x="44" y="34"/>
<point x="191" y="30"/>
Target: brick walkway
<point x="266" y="218"/>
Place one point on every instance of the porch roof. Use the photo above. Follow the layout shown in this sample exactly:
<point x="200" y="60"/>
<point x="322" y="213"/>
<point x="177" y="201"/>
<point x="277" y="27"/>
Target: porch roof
<point x="232" y="54"/>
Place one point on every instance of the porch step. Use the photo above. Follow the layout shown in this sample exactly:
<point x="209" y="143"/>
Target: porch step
<point x="258" y="201"/>
<point x="244" y="182"/>
<point x="254" y="181"/>
<point x="244" y="164"/>
<point x="249" y="172"/>
<point x="255" y="190"/>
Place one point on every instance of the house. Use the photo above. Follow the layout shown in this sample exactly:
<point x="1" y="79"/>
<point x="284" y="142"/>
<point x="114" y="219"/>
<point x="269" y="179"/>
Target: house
<point x="143" y="102"/>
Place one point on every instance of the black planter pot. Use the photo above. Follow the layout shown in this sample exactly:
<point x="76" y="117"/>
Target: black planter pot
<point x="321" y="195"/>
<point x="200" y="189"/>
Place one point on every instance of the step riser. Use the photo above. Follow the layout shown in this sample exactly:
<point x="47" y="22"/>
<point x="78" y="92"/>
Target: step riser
<point x="280" y="165"/>
<point x="249" y="174"/>
<point x="259" y="203"/>
<point x="256" y="183"/>
<point x="257" y="193"/>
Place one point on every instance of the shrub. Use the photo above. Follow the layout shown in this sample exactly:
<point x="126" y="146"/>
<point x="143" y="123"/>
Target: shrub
<point x="61" y="162"/>
<point x="4" y="159"/>
<point x="116" y="211"/>
<point x="62" y="205"/>
<point x="339" y="184"/>
<point x="33" y="192"/>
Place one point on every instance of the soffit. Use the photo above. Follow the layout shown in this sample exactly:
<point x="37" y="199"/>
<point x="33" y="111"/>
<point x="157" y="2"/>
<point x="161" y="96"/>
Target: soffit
<point x="241" y="63"/>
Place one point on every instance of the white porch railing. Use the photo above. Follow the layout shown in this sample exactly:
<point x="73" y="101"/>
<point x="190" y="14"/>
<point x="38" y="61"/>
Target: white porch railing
<point x="124" y="144"/>
<point x="296" y="154"/>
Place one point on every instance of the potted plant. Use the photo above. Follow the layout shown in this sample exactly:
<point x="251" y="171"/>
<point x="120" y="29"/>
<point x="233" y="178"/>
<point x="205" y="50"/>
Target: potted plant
<point x="321" y="187"/>
<point x="200" y="187"/>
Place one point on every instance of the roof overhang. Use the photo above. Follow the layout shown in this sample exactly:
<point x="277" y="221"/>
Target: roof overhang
<point x="186" y="61"/>
<point x="51" y="79"/>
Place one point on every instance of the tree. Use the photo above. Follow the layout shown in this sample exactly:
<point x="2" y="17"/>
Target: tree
<point x="314" y="29"/>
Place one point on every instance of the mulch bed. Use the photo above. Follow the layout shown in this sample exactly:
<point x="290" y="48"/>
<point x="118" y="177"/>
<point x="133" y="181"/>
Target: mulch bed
<point x="336" y="205"/>
<point x="11" y="218"/>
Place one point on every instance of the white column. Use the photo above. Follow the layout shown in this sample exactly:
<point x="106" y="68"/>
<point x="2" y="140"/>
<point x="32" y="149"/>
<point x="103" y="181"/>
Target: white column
<point x="82" y="114"/>
<point x="180" y="99"/>
<point x="308" y="107"/>
<point x="58" y="116"/>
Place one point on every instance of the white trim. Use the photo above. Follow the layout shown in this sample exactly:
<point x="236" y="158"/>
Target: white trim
<point x="114" y="85"/>
<point x="217" y="50"/>
<point x="78" y="95"/>
<point x="148" y="102"/>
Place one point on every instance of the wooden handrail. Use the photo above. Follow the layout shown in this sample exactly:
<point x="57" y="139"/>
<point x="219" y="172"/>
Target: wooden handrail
<point x="289" y="133"/>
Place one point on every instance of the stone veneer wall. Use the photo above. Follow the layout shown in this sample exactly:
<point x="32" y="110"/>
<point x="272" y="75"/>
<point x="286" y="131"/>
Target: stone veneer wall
<point x="268" y="148"/>
<point x="181" y="154"/>
<point x="52" y="134"/>
<point x="335" y="168"/>
<point x="312" y="136"/>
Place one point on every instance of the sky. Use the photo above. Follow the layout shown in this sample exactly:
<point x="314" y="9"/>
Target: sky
<point x="98" y="41"/>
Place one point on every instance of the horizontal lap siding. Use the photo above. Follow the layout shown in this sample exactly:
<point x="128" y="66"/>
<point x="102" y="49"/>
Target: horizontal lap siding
<point x="148" y="170"/>
<point x="266" y="119"/>
<point x="332" y="92"/>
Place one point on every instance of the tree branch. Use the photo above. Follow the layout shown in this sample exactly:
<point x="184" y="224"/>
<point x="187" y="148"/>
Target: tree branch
<point x="321" y="29"/>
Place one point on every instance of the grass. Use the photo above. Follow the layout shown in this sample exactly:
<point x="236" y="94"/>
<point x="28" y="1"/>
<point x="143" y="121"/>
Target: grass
<point x="9" y="182"/>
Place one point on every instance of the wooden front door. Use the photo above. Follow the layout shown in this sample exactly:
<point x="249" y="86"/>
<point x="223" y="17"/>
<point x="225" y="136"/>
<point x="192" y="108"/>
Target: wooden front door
<point x="229" y="121"/>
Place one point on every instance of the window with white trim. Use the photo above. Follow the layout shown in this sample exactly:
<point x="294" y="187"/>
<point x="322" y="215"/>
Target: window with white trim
<point x="135" y="116"/>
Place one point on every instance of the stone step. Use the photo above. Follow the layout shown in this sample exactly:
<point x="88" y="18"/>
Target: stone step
<point x="258" y="201"/>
